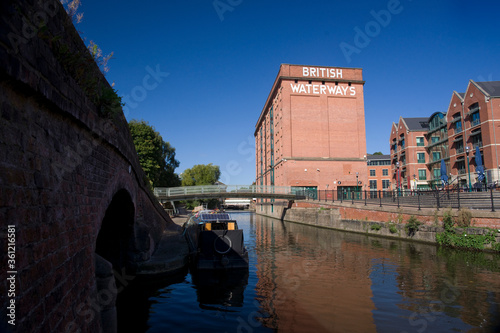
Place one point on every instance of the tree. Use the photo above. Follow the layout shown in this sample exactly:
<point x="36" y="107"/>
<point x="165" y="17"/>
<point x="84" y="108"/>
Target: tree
<point x="378" y="153"/>
<point x="201" y="174"/>
<point x="156" y="156"/>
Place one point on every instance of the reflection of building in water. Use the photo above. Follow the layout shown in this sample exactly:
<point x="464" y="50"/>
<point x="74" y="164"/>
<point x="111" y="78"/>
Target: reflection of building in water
<point x="312" y="279"/>
<point x="301" y="297"/>
<point x="459" y="284"/>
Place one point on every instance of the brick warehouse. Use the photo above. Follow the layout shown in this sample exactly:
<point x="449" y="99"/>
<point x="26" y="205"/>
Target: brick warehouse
<point x="311" y="131"/>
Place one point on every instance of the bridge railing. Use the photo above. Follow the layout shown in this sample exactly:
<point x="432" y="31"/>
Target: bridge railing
<point x="166" y="192"/>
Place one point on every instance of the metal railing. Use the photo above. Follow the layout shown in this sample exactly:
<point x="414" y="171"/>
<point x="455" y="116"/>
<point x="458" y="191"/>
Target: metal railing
<point x="225" y="190"/>
<point x="479" y="198"/>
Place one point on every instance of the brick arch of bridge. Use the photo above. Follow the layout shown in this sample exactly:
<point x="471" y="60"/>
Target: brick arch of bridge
<point x="63" y="165"/>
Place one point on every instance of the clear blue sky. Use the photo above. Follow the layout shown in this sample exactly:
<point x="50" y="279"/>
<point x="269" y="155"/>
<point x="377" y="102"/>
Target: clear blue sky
<point x="214" y="67"/>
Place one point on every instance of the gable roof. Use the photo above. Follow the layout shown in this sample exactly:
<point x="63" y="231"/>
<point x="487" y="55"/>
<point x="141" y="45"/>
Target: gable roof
<point x="417" y="124"/>
<point x="491" y="88"/>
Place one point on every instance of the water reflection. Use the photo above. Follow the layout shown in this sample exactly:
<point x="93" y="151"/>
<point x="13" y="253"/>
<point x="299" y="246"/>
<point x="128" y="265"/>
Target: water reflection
<point x="306" y="279"/>
<point x="327" y="281"/>
<point x="220" y="289"/>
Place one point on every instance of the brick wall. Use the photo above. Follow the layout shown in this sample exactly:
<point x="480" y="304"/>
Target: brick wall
<point x="61" y="164"/>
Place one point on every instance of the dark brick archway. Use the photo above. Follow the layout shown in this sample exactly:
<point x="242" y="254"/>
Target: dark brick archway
<point x="115" y="239"/>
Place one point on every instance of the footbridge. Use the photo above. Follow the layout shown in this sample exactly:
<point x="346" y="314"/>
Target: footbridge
<point x="173" y="194"/>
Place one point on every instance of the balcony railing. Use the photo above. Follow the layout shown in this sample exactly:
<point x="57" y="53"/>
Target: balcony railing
<point x="460" y="150"/>
<point x="475" y="122"/>
<point x="477" y="144"/>
<point x="461" y="171"/>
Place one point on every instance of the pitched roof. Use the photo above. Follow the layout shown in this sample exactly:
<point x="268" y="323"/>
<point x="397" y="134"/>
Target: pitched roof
<point x="492" y="88"/>
<point x="417" y="124"/>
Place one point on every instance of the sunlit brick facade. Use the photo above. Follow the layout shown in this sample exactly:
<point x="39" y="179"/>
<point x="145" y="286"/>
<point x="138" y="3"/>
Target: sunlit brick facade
<point x="311" y="131"/>
<point x="408" y="154"/>
<point x="472" y="122"/>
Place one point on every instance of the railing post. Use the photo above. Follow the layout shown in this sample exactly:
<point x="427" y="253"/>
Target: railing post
<point x="352" y="197"/>
<point x="437" y="198"/>
<point x="380" y="197"/>
<point x="365" y="197"/>
<point x="492" y="204"/>
<point x="458" y="197"/>
<point x="418" y="198"/>
<point x="397" y="195"/>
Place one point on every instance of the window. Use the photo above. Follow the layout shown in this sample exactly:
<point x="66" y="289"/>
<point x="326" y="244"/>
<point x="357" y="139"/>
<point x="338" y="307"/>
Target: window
<point x="403" y="144"/>
<point x="372" y="173"/>
<point x="436" y="156"/>
<point x="458" y="127"/>
<point x="437" y="173"/>
<point x="385" y="172"/>
<point x="422" y="175"/>
<point x="420" y="141"/>
<point x="475" y="119"/>
<point x="434" y="139"/>
<point x="385" y="183"/>
<point x="477" y="140"/>
<point x="421" y="157"/>
<point x="373" y="184"/>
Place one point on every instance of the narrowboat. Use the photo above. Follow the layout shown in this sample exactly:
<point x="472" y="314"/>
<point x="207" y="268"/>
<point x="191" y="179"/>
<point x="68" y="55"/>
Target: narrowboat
<point x="215" y="241"/>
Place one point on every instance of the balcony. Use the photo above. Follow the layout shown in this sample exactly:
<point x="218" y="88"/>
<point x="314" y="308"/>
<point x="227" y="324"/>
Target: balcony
<point x="477" y="144"/>
<point x="475" y="122"/>
<point x="460" y="150"/>
<point x="461" y="171"/>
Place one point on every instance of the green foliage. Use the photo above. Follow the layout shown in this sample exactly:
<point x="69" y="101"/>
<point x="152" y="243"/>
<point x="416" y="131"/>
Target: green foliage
<point x="412" y="225"/>
<point x="400" y="217"/>
<point x="378" y="153"/>
<point x="83" y="66"/>
<point x="450" y="237"/>
<point x="201" y="174"/>
<point x="448" y="222"/>
<point x="436" y="217"/>
<point x="376" y="226"/>
<point x="156" y="156"/>
<point x="392" y="228"/>
<point x="464" y="217"/>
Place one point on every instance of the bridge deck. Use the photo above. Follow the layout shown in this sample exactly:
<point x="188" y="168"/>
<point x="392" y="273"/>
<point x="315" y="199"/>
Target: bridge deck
<point x="224" y="191"/>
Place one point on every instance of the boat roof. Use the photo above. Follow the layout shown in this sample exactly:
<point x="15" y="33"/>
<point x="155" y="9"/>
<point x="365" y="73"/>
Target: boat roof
<point x="214" y="217"/>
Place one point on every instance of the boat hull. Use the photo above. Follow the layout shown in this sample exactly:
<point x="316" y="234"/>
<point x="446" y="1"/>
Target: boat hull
<point x="221" y="249"/>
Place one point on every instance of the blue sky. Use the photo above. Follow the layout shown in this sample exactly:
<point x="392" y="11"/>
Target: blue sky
<point x="200" y="71"/>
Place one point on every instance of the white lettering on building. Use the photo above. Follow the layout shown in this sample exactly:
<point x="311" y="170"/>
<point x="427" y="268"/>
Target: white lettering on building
<point x="330" y="73"/>
<point x="322" y="89"/>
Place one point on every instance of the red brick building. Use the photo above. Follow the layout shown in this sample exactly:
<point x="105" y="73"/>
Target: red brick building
<point x="473" y="120"/>
<point x="311" y="131"/>
<point x="379" y="174"/>
<point x="408" y="154"/>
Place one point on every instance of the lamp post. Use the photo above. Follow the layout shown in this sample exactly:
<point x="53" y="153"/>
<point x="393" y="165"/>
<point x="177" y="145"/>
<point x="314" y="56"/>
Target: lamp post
<point x="357" y="185"/>
<point x="468" y="167"/>
<point x="398" y="182"/>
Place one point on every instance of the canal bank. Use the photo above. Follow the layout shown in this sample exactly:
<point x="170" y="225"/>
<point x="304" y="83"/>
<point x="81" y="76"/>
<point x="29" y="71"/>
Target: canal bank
<point x="422" y="225"/>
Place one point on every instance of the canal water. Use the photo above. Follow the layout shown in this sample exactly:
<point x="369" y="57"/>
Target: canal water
<point x="307" y="279"/>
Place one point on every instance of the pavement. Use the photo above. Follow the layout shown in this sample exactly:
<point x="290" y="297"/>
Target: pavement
<point x="172" y="254"/>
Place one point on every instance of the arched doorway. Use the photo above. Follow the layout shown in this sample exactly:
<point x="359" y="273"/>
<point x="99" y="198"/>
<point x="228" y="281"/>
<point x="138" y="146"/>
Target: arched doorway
<point x="114" y="246"/>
